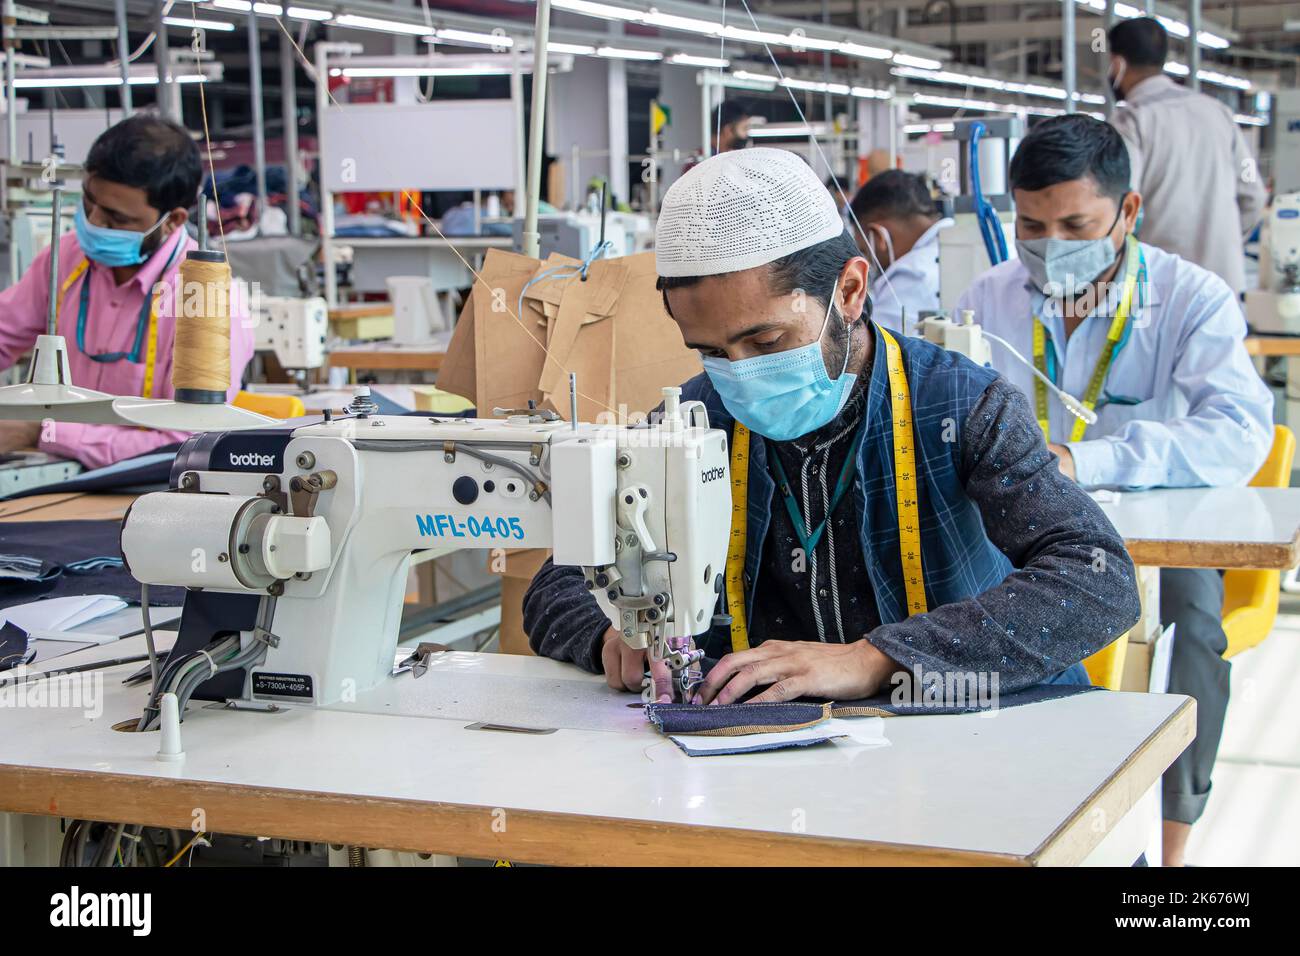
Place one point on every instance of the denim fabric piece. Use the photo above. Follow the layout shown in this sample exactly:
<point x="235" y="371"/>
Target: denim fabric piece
<point x="751" y="745"/>
<point x="733" y="720"/>
<point x="882" y="706"/>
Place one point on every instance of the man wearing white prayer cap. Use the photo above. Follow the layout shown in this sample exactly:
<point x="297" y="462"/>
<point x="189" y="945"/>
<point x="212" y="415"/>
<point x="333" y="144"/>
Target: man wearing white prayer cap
<point x="905" y="517"/>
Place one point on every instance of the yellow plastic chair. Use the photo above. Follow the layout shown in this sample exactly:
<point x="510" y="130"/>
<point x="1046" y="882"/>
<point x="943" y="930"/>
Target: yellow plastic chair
<point x="1106" y="667"/>
<point x="275" y="406"/>
<point x="1250" y="597"/>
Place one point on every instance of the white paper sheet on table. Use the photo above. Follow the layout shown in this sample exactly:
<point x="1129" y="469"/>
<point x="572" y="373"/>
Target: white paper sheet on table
<point x="860" y="732"/>
<point x="58" y="615"/>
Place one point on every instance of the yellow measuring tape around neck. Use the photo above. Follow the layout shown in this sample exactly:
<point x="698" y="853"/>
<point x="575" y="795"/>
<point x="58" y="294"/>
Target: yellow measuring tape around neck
<point x="909" y="524"/>
<point x="151" y="334"/>
<point x="1132" y="266"/>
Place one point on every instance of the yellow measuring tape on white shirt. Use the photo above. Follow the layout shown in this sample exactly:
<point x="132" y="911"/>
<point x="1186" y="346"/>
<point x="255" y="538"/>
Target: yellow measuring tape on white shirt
<point x="909" y="524"/>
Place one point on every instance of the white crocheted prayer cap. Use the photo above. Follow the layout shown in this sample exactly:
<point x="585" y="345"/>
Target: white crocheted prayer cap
<point x="742" y="209"/>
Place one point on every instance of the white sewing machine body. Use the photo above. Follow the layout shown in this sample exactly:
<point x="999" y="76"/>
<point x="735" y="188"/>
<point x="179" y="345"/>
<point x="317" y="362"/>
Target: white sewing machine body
<point x="322" y="520"/>
<point x="295" y="329"/>
<point x="1275" y="306"/>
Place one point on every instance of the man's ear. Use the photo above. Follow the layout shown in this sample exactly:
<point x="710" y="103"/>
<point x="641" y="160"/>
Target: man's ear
<point x="1131" y="206"/>
<point x="854" y="288"/>
<point x="176" y="219"/>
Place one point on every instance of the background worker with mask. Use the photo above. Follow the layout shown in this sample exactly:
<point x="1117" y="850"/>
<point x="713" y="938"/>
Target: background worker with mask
<point x="141" y="176"/>
<point x="1201" y="187"/>
<point x="1154" y="344"/>
<point x="873" y="543"/>
<point x="901" y="227"/>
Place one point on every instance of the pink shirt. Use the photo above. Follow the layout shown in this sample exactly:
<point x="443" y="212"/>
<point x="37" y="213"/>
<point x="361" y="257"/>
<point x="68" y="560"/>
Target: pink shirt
<point x="111" y="322"/>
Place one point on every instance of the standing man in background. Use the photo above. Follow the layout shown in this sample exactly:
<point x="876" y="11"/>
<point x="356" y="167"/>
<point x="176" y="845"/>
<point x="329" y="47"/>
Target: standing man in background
<point x="1199" y="183"/>
<point x="900" y="235"/>
<point x="729" y="128"/>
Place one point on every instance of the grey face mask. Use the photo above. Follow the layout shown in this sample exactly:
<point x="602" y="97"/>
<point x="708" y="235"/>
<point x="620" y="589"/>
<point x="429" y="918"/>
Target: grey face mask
<point x="1066" y="267"/>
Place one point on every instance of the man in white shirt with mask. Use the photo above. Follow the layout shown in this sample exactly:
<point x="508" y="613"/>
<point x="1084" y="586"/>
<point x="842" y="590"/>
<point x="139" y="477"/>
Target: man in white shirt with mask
<point x="1154" y="344"/>
<point x="900" y="235"/>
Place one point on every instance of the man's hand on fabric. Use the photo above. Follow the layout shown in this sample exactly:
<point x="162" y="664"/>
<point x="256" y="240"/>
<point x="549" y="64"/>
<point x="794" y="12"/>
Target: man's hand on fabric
<point x="17" y="436"/>
<point x="790" y="669"/>
<point x="625" y="668"/>
<point x="1066" y="457"/>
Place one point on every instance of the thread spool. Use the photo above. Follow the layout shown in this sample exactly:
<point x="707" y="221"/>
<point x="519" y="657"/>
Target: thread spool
<point x="201" y="350"/>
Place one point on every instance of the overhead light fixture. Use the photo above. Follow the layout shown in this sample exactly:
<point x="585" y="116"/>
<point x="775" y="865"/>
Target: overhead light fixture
<point x="382" y="26"/>
<point x="470" y="36"/>
<point x="815" y="86"/>
<point x="789" y="130"/>
<point x="1209" y="76"/>
<point x="307" y="13"/>
<point x="602" y="10"/>
<point x="243" y="6"/>
<point x="223" y="26"/>
<point x="59" y="82"/>
<point x="920" y="62"/>
<point x="352" y="72"/>
<point x="1178" y="28"/>
<point x="669" y="21"/>
<point x="866" y="52"/>
<point x="1245" y="120"/>
<point x="576" y="49"/>
<point x="929" y="128"/>
<point x="689" y="59"/>
<point x="867" y="92"/>
<point x="616" y="53"/>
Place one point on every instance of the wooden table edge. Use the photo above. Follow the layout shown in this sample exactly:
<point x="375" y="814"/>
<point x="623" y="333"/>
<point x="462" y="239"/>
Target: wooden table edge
<point x="529" y="836"/>
<point x="1074" y="839"/>
<point x="1163" y="553"/>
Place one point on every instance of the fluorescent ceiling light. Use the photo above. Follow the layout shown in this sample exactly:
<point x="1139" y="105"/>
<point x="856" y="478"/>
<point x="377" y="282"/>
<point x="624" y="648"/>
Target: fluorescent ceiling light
<point x="929" y="128"/>
<point x="616" y="53"/>
<point x="867" y="52"/>
<point x="222" y="25"/>
<point x="688" y="59"/>
<point x="373" y="71"/>
<point x="1243" y="120"/>
<point x="577" y="49"/>
<point x="687" y="24"/>
<point x="751" y="77"/>
<point x="50" y="82"/>
<point x="384" y="26"/>
<point x="307" y="13"/>
<point x="243" y="6"/>
<point x="753" y="36"/>
<point x="775" y="130"/>
<point x="798" y="41"/>
<point x="921" y="62"/>
<point x="602" y="10"/>
<point x="1209" y="76"/>
<point x="469" y="36"/>
<point x="867" y="92"/>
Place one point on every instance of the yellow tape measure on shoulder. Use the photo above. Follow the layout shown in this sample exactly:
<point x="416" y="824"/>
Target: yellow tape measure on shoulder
<point x="909" y="524"/>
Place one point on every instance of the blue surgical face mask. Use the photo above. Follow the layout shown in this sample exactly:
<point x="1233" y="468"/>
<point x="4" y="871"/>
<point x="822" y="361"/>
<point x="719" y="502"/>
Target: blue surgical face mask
<point x="786" y="395"/>
<point x="111" y="247"/>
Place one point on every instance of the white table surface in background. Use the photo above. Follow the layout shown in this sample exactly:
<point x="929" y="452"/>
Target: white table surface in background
<point x="1210" y="527"/>
<point x="1006" y="784"/>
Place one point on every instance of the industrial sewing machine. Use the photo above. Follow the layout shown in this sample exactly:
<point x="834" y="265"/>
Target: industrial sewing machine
<point x="296" y="542"/>
<point x="1275" y="306"/>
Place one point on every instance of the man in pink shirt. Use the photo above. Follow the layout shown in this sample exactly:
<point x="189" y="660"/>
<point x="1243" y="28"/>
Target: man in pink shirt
<point x="142" y="175"/>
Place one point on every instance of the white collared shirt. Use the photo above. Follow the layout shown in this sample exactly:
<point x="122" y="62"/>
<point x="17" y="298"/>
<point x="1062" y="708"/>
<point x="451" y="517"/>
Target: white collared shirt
<point x="914" y="279"/>
<point x="1181" y="405"/>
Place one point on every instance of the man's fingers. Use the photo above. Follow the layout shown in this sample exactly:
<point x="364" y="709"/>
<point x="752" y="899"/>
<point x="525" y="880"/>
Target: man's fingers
<point x="785" y="689"/>
<point x="611" y="662"/>
<point x="753" y="674"/>
<point x="662" y="677"/>
<point x="633" y="666"/>
<point x="725" y="669"/>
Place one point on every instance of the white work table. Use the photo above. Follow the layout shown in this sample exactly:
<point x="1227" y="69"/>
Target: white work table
<point x="1210" y="527"/>
<point x="1050" y="783"/>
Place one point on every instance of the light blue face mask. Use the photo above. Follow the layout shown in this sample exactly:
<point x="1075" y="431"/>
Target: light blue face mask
<point x="111" y="247"/>
<point x="786" y="395"/>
